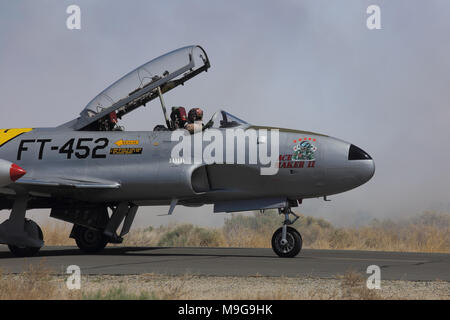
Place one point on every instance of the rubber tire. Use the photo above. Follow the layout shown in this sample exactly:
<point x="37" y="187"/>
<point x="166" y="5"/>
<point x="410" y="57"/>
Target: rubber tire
<point x="89" y="240"/>
<point x="27" y="251"/>
<point x="293" y="236"/>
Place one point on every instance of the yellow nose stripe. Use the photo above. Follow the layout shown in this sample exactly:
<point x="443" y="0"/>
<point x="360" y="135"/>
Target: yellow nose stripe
<point x="9" y="134"/>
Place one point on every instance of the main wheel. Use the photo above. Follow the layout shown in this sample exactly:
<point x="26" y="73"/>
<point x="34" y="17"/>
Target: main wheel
<point x="89" y="240"/>
<point x="293" y="245"/>
<point x="31" y="228"/>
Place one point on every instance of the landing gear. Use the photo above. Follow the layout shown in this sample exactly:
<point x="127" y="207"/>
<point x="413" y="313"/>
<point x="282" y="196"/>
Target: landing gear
<point x="31" y="228"/>
<point x="93" y="227"/>
<point x="286" y="241"/>
<point x="89" y="240"/>
<point x="23" y="236"/>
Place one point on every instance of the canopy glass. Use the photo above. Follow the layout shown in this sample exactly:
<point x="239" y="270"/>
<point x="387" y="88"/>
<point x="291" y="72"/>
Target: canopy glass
<point x="222" y="119"/>
<point x="141" y="85"/>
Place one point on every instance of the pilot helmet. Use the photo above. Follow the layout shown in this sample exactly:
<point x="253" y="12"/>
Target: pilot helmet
<point x="195" y="114"/>
<point x="178" y="115"/>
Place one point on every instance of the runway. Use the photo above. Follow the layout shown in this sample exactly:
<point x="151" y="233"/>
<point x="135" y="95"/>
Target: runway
<point x="234" y="262"/>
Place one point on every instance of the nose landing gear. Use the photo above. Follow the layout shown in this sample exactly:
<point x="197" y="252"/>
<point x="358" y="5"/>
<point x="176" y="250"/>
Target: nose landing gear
<point x="286" y="241"/>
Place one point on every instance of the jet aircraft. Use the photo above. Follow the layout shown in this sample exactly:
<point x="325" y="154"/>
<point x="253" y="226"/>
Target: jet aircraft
<point x="94" y="174"/>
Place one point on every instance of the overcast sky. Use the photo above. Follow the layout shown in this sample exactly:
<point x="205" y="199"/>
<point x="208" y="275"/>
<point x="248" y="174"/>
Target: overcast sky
<point x="309" y="65"/>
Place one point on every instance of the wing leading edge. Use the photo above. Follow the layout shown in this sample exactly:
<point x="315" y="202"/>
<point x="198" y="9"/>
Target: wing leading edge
<point x="70" y="182"/>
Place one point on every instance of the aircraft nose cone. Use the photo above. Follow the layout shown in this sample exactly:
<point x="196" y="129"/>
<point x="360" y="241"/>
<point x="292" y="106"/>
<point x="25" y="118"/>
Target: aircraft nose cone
<point x="364" y="171"/>
<point x="371" y="170"/>
<point x="362" y="163"/>
<point x="16" y="172"/>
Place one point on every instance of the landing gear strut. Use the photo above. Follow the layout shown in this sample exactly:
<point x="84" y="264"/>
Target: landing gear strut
<point x="98" y="229"/>
<point x="286" y="241"/>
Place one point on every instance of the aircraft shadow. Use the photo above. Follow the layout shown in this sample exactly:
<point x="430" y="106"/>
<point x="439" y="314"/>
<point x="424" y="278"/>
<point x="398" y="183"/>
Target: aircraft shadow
<point x="135" y="252"/>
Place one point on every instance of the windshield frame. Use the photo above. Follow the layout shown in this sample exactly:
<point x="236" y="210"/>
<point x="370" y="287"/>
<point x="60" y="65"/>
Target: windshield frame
<point x="225" y="117"/>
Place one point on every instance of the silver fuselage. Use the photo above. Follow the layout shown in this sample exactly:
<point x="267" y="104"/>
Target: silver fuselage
<point x="142" y="163"/>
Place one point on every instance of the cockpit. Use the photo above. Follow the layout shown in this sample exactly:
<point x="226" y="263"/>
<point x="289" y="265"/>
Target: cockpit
<point x="220" y="120"/>
<point x="142" y="85"/>
<point x="146" y="83"/>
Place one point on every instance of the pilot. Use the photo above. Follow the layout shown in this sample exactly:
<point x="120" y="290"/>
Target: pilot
<point x="178" y="117"/>
<point x="195" y="120"/>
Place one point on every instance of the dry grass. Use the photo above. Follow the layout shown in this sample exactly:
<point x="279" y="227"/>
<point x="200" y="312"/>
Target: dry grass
<point x="429" y="232"/>
<point x="56" y="233"/>
<point x="36" y="283"/>
<point x="161" y="288"/>
<point x="350" y="286"/>
<point x="353" y="287"/>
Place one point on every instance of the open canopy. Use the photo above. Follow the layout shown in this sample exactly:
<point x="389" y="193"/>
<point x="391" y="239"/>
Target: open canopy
<point x="141" y="85"/>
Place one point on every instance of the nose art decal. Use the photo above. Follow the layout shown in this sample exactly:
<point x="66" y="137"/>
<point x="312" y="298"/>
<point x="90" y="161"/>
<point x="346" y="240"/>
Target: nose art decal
<point x="303" y="156"/>
<point x="304" y="150"/>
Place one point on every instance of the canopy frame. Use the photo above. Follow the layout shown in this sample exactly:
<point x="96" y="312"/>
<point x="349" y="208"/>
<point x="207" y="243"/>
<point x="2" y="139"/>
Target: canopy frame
<point x="141" y="96"/>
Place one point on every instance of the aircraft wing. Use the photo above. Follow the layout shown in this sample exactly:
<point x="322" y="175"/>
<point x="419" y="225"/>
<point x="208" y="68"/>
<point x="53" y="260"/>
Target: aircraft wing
<point x="69" y="182"/>
<point x="44" y="188"/>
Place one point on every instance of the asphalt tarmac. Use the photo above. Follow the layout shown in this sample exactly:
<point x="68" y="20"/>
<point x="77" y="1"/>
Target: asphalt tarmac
<point x="234" y="262"/>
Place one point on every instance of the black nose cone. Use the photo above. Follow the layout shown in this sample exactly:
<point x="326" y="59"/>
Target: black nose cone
<point x="356" y="153"/>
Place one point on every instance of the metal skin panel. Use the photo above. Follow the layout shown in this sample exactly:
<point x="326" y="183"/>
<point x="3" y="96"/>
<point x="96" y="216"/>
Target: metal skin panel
<point x="147" y="176"/>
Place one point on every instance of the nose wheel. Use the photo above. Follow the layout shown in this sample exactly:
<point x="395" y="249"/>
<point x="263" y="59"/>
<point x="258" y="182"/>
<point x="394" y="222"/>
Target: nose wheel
<point x="286" y="241"/>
